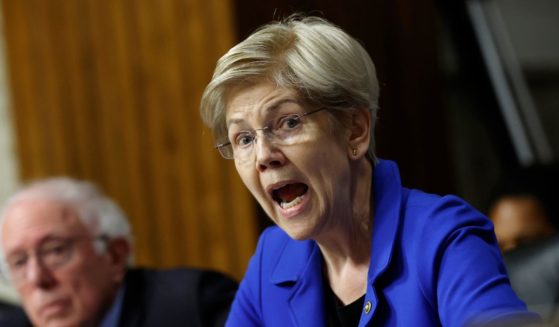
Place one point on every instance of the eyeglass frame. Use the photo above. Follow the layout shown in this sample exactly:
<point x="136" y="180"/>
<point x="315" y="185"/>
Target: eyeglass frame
<point x="221" y="146"/>
<point x="69" y="243"/>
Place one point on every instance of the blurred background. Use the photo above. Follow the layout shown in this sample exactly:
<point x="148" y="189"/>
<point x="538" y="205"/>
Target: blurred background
<point x="108" y="91"/>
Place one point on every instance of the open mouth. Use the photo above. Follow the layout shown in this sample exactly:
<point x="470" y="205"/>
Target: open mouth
<point x="290" y="195"/>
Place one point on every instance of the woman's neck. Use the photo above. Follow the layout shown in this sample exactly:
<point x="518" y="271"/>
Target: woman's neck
<point x="346" y="247"/>
<point x="346" y="258"/>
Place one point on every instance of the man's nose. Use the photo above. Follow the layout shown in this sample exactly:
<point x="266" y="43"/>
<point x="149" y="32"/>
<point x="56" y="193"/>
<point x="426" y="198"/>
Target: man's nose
<point x="39" y="274"/>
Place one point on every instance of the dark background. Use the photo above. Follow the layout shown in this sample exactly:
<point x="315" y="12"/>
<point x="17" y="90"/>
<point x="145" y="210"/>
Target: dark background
<point x="439" y="117"/>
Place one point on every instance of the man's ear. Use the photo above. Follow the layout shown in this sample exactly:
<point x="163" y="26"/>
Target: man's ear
<point x="359" y="133"/>
<point x="118" y="251"/>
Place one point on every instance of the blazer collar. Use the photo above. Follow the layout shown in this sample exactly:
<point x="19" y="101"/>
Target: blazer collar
<point x="296" y="259"/>
<point x="299" y="270"/>
<point x="387" y="215"/>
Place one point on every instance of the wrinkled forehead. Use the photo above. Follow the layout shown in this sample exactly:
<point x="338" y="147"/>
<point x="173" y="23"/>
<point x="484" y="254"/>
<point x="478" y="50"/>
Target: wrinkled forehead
<point x="257" y="101"/>
<point x="29" y="221"/>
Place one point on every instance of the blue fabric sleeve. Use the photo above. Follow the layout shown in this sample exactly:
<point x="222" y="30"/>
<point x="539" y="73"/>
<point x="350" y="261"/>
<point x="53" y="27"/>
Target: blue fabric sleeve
<point x="462" y="268"/>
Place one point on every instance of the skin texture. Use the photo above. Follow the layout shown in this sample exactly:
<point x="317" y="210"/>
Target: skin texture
<point x="336" y="209"/>
<point x="272" y="166"/>
<point x="75" y="294"/>
<point x="519" y="220"/>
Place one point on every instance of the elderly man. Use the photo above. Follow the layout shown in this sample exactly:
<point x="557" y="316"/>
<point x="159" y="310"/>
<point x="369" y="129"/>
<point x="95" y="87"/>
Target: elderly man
<point x="65" y="248"/>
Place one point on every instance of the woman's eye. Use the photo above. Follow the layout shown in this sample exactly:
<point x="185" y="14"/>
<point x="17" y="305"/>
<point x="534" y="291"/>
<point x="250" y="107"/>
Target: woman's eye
<point x="244" y="139"/>
<point x="289" y="122"/>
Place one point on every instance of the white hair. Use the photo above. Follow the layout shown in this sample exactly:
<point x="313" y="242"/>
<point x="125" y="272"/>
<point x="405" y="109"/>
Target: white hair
<point x="97" y="212"/>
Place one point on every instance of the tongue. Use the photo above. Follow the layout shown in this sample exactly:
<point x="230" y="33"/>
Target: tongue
<point x="289" y="192"/>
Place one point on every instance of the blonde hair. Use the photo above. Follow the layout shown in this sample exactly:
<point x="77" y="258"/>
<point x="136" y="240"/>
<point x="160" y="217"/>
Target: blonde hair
<point x="322" y="63"/>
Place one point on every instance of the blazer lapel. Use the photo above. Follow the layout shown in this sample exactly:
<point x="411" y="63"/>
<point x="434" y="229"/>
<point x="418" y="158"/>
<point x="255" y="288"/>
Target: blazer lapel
<point x="299" y="270"/>
<point x="387" y="215"/>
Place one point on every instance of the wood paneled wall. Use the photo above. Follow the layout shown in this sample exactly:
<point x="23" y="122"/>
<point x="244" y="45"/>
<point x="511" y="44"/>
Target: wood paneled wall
<point x="109" y="91"/>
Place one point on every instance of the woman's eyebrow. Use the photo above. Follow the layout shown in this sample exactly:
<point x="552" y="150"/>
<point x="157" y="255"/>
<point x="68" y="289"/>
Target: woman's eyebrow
<point x="281" y="102"/>
<point x="272" y="107"/>
<point x="235" y="121"/>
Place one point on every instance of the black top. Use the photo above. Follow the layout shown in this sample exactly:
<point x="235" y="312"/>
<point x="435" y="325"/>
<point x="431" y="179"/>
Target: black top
<point x="338" y="314"/>
<point x="534" y="275"/>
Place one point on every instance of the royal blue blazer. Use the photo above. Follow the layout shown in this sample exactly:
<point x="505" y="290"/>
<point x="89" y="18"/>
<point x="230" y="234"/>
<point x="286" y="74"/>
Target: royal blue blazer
<point x="434" y="262"/>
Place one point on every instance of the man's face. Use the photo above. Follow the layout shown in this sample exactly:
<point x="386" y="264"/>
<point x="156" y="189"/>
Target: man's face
<point x="61" y="279"/>
<point x="519" y="220"/>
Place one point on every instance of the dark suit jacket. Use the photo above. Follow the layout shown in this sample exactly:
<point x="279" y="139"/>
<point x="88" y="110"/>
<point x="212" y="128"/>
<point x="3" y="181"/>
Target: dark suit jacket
<point x="534" y="275"/>
<point x="177" y="297"/>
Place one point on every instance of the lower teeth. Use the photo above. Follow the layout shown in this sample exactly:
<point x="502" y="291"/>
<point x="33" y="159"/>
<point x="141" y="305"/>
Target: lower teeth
<point x="294" y="202"/>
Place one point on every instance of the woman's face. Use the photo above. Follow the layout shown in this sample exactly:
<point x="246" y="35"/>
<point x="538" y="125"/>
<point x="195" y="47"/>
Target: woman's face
<point x="303" y="183"/>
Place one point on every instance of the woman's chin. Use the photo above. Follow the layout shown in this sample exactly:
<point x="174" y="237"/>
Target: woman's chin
<point x="299" y="230"/>
<point x="298" y="234"/>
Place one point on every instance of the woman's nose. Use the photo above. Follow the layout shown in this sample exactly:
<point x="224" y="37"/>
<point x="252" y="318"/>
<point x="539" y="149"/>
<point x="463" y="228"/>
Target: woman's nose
<point x="268" y="155"/>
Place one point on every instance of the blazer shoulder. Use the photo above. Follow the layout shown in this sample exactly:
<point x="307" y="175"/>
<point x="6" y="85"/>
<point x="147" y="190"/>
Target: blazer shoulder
<point x="198" y="297"/>
<point x="179" y="284"/>
<point x="13" y="316"/>
<point x="447" y="212"/>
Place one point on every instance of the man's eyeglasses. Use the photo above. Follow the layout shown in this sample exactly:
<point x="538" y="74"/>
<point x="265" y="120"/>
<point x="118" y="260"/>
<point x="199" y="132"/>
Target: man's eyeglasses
<point x="52" y="254"/>
<point x="282" y="130"/>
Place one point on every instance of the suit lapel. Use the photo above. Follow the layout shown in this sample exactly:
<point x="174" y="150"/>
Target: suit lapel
<point x="299" y="270"/>
<point x="131" y="314"/>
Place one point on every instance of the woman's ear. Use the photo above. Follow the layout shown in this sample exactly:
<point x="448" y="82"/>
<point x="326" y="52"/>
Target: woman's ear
<point x="359" y="133"/>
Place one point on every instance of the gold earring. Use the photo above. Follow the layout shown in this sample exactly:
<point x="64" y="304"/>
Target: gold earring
<point x="354" y="150"/>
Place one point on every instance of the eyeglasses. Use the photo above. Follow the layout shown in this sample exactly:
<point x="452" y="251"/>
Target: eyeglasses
<point x="282" y="130"/>
<point x="52" y="254"/>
